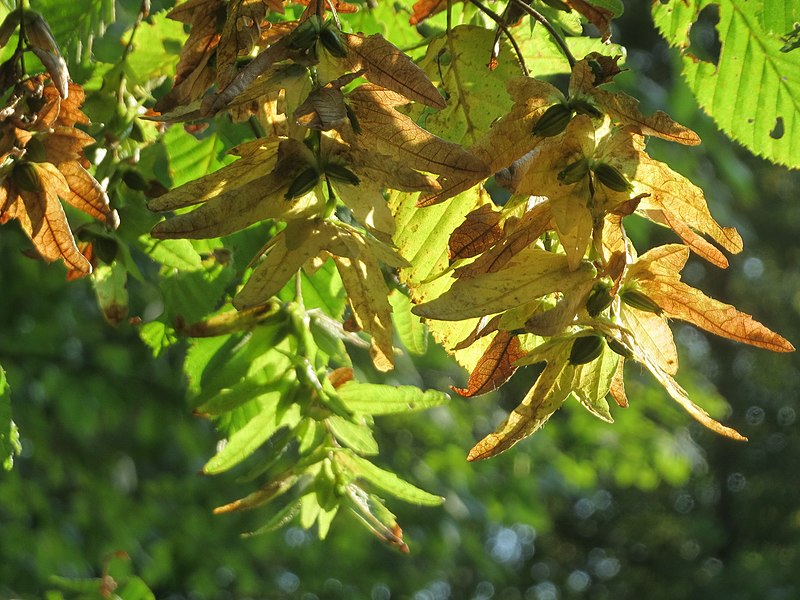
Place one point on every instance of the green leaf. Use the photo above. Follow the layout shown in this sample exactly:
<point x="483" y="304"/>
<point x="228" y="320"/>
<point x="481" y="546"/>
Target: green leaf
<point x="134" y="588"/>
<point x="110" y="283"/>
<point x="9" y="434"/>
<point x="409" y="327"/>
<point x="356" y="436"/>
<point x="190" y="159"/>
<point x="378" y="399"/>
<point x="193" y="295"/>
<point x="156" y="49"/>
<point x="281" y="518"/>
<point x="257" y="431"/>
<point x="753" y="93"/>
<point x="385" y="480"/>
<point x="592" y="382"/>
<point x="177" y="254"/>
<point x="158" y="336"/>
<point x="76" y="24"/>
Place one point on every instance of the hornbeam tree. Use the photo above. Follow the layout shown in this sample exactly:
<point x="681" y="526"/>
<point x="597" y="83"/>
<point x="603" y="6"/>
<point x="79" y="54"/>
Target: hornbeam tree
<point x="291" y="186"/>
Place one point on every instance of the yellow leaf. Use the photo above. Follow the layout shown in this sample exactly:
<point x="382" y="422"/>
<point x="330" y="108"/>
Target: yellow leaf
<point x="624" y="109"/>
<point x="652" y="336"/>
<point x="668" y="191"/>
<point x="369" y="298"/>
<point x="544" y="398"/>
<point x="288" y="251"/>
<point x="260" y="158"/>
<point x="530" y="274"/>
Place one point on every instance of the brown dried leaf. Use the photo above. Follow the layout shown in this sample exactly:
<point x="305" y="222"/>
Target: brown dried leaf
<point x="518" y="236"/>
<point x="86" y="194"/>
<point x="193" y="74"/>
<point x="698" y="244"/>
<point x="389" y="132"/>
<point x="495" y="367"/>
<point x="324" y="108"/>
<point x="479" y="231"/>
<point x="617" y="389"/>
<point x="239" y="36"/>
<point x="387" y="66"/>
<point x="686" y="303"/>
<point x="422" y="9"/>
<point x="598" y="16"/>
<point x="42" y="217"/>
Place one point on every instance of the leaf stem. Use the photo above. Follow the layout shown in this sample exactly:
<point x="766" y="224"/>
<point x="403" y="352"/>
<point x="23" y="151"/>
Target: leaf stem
<point x="557" y="38"/>
<point x="501" y="24"/>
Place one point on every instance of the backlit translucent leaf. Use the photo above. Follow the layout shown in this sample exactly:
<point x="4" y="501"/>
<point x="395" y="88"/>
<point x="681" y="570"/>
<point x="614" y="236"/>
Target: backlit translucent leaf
<point x="410" y="329"/>
<point x="356" y="436"/>
<point x="593" y="381"/>
<point x="247" y="439"/>
<point x="530" y="274"/>
<point x="9" y="434"/>
<point x="495" y="367"/>
<point x="385" y="481"/>
<point x="752" y="92"/>
<point x="376" y="399"/>
<point x="545" y="397"/>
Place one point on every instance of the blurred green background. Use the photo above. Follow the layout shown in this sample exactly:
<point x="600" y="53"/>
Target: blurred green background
<point x="651" y="507"/>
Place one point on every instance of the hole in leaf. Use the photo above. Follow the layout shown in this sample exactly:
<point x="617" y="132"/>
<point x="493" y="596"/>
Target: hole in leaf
<point x="777" y="131"/>
<point x="704" y="42"/>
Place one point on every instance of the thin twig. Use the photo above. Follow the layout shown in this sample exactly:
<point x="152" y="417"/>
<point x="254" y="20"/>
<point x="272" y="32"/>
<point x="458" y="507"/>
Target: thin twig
<point x="129" y="46"/>
<point x="501" y="24"/>
<point x="20" y="52"/>
<point x="550" y="29"/>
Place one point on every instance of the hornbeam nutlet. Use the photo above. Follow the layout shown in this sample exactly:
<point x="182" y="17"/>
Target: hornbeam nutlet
<point x="619" y="348"/>
<point x="574" y="172"/>
<point x="26" y="177"/>
<point x="554" y="120"/>
<point x="637" y="299"/>
<point x="35" y="150"/>
<point x="611" y="178"/>
<point x="332" y="41"/>
<point x="340" y="173"/>
<point x="582" y="106"/>
<point x="586" y="349"/>
<point x="303" y="183"/>
<point x="599" y="298"/>
<point x="306" y="34"/>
